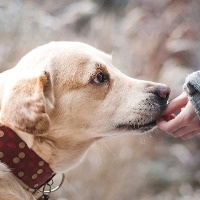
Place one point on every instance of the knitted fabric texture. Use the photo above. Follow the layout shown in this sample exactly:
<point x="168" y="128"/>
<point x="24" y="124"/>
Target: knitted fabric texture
<point x="192" y="88"/>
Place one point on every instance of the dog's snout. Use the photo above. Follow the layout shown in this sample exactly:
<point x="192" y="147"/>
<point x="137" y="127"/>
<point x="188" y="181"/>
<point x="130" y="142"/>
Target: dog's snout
<point x="163" y="91"/>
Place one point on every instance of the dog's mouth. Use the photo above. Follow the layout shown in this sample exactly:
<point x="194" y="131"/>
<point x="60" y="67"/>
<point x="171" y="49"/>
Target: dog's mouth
<point x="146" y="116"/>
<point x="140" y="127"/>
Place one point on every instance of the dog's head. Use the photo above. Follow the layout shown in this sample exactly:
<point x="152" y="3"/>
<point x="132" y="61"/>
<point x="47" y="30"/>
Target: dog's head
<point x="90" y="93"/>
<point x="67" y="88"/>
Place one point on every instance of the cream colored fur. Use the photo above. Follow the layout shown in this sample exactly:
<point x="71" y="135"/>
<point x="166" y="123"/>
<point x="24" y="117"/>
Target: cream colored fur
<point x="53" y="100"/>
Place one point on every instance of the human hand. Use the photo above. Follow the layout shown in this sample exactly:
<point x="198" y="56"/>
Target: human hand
<point x="186" y="124"/>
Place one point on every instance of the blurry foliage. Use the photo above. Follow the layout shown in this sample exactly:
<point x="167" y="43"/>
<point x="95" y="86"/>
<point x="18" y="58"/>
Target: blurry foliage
<point x="156" y="40"/>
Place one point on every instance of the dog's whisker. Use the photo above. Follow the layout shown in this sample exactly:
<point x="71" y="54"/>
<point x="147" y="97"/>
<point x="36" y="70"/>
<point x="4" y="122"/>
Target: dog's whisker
<point x="109" y="150"/>
<point x="138" y="125"/>
<point x="144" y="139"/>
<point x="141" y="140"/>
<point x="150" y="135"/>
<point x="146" y="135"/>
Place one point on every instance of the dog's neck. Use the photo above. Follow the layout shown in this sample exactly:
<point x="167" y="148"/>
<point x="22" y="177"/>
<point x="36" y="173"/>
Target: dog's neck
<point x="66" y="152"/>
<point x="62" y="153"/>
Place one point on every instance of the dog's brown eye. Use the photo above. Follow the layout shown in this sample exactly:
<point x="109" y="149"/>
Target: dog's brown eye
<point x="101" y="78"/>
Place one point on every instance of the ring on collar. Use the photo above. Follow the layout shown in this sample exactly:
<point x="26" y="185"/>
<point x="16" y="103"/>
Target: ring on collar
<point x="49" y="184"/>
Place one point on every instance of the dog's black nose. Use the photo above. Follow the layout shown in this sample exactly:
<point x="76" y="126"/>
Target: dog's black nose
<point x="163" y="91"/>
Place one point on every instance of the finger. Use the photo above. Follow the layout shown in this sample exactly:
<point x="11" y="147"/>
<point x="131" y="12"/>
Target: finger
<point x="161" y="119"/>
<point x="190" y="135"/>
<point x="172" y="116"/>
<point x="184" y="131"/>
<point x="161" y="123"/>
<point x="169" y="117"/>
<point x="176" y="104"/>
<point x="170" y="126"/>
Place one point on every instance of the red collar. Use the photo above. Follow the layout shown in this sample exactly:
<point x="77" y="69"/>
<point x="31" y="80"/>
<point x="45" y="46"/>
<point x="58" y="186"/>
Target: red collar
<point x="24" y="163"/>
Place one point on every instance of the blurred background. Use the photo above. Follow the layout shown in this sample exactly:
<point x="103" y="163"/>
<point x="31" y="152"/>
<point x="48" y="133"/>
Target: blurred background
<point x="149" y="39"/>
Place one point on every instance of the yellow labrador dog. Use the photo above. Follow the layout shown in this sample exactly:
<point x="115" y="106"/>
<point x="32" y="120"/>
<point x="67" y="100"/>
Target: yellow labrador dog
<point x="60" y="99"/>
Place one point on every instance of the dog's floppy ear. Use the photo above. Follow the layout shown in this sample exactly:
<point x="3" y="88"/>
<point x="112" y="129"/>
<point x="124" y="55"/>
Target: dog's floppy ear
<point x="27" y="102"/>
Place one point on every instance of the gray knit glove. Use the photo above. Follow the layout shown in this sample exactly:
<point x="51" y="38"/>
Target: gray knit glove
<point x="192" y="88"/>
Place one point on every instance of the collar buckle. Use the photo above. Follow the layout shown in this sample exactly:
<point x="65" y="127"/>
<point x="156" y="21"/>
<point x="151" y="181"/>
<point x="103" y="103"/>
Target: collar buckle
<point x="47" y="189"/>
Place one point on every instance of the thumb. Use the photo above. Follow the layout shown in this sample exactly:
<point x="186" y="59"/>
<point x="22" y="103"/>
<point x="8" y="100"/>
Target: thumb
<point x="176" y="104"/>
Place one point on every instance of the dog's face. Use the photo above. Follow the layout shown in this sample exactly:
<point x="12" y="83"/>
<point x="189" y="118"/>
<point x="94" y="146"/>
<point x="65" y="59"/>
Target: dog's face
<point x="98" y="98"/>
<point x="72" y="90"/>
<point x="90" y="93"/>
